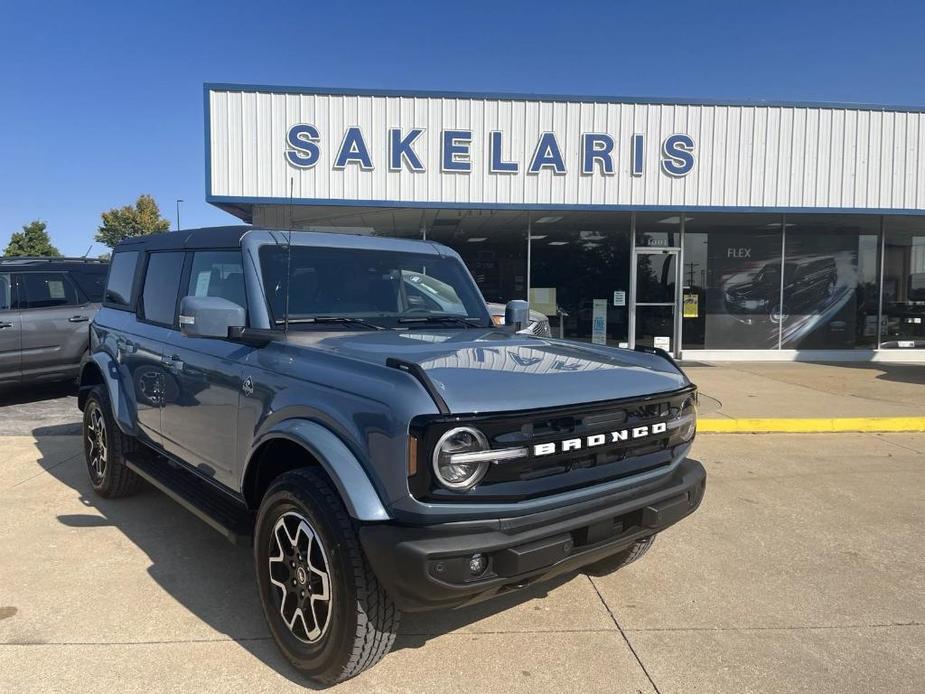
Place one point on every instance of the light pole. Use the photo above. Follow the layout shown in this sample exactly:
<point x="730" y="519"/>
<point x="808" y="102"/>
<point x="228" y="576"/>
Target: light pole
<point x="178" y="214"/>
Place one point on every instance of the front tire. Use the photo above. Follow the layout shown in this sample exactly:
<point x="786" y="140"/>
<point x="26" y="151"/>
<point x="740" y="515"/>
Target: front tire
<point x="105" y="447"/>
<point x="324" y="605"/>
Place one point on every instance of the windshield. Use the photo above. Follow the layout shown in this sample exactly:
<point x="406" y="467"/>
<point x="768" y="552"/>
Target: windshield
<point x="386" y="288"/>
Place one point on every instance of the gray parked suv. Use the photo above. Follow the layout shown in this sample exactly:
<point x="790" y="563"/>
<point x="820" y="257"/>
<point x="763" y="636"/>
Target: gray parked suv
<point x="347" y="401"/>
<point x="45" y="307"/>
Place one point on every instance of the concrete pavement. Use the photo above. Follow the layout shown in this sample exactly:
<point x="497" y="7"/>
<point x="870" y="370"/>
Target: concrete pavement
<point x="799" y="389"/>
<point x="809" y="398"/>
<point x="804" y="570"/>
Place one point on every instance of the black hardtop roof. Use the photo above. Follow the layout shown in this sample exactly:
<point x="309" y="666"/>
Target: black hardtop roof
<point x="49" y="263"/>
<point x="230" y="237"/>
<point x="207" y="237"/>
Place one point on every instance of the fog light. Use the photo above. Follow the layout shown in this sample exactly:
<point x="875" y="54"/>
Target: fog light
<point x="477" y="564"/>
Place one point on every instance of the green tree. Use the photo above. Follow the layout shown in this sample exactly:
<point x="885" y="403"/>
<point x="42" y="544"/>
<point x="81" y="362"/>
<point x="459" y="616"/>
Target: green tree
<point x="32" y="241"/>
<point x="144" y="217"/>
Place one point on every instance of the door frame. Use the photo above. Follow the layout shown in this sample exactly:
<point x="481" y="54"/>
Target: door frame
<point x="678" y="252"/>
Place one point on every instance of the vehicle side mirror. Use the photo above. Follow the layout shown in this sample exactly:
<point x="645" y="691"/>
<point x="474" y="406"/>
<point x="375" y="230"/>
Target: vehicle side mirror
<point x="210" y="316"/>
<point x="517" y="313"/>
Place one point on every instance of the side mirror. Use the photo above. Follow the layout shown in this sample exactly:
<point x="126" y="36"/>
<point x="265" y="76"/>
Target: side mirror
<point x="517" y="313"/>
<point x="210" y="316"/>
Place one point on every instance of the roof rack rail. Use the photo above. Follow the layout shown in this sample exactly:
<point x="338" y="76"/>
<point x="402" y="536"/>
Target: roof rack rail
<point x="48" y="259"/>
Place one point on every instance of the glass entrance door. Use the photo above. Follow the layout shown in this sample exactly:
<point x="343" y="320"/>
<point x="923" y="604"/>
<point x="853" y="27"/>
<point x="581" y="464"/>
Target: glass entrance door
<point x="653" y="319"/>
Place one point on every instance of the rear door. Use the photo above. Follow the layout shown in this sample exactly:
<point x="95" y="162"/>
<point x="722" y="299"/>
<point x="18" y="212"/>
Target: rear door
<point x="10" y="330"/>
<point x="55" y="321"/>
<point x="90" y="279"/>
<point x="153" y="379"/>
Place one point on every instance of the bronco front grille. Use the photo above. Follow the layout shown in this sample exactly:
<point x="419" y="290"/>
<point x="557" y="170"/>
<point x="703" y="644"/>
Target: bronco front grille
<point x="560" y="470"/>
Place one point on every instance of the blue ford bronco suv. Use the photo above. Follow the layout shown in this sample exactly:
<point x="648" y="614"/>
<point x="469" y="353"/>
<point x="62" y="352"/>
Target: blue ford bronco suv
<point x="347" y="403"/>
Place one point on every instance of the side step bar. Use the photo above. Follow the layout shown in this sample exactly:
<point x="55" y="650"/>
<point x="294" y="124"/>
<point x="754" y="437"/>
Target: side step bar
<point x="199" y="497"/>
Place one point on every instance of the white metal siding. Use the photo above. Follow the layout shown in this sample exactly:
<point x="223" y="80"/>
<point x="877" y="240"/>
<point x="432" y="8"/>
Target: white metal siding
<point x="746" y="156"/>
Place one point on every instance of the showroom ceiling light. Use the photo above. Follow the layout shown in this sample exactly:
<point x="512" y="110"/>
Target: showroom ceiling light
<point x="547" y="220"/>
<point x="477" y="239"/>
<point x="674" y="220"/>
<point x="537" y="237"/>
<point x="558" y="243"/>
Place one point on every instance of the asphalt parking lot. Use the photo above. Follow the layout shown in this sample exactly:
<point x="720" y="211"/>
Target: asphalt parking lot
<point x="804" y="570"/>
<point x="39" y="410"/>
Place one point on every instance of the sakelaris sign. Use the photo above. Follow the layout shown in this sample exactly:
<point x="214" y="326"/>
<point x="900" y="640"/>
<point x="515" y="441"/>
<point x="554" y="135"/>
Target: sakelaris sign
<point x="598" y="152"/>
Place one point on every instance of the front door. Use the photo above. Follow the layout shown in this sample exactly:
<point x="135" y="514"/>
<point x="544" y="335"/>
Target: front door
<point x="655" y="299"/>
<point x="200" y="413"/>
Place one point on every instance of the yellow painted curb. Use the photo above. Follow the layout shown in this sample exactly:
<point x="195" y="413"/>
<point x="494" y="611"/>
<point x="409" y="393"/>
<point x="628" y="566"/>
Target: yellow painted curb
<point x="809" y="425"/>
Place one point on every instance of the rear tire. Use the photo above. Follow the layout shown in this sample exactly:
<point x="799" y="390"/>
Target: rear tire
<point x="617" y="561"/>
<point x="326" y="610"/>
<point x="105" y="447"/>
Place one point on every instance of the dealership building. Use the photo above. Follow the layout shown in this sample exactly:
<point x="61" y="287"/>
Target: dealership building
<point x="715" y="230"/>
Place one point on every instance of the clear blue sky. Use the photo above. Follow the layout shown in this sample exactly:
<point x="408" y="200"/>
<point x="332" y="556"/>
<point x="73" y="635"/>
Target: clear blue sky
<point x="102" y="101"/>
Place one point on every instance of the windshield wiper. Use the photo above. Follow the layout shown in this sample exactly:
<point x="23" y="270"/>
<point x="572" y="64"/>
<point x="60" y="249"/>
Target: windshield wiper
<point x="345" y="320"/>
<point x="459" y="320"/>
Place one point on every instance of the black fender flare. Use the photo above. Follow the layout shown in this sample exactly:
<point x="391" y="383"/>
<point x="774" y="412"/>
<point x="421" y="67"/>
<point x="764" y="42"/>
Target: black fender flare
<point x="341" y="465"/>
<point x="120" y="390"/>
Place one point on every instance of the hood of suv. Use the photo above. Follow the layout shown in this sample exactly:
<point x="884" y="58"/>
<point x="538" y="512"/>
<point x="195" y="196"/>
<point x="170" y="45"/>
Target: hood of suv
<point x="483" y="370"/>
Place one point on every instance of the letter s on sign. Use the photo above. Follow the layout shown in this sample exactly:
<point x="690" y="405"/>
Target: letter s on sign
<point x="303" y="141"/>
<point x="678" y="155"/>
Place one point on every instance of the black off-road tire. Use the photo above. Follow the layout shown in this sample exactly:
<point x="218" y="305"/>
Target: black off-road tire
<point x="617" y="561"/>
<point x="113" y="479"/>
<point x="362" y="620"/>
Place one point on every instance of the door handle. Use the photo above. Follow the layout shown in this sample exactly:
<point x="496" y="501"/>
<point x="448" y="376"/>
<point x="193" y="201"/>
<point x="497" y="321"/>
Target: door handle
<point x="78" y="319"/>
<point x="5" y="325"/>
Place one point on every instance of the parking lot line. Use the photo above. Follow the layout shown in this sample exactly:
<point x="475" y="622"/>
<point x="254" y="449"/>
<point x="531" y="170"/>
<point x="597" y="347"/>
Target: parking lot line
<point x="815" y="425"/>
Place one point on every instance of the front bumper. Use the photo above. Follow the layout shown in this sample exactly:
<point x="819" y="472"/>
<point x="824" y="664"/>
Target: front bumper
<point x="428" y="567"/>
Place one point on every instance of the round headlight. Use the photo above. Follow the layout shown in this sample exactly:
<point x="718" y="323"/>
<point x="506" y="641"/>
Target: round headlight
<point x="450" y="466"/>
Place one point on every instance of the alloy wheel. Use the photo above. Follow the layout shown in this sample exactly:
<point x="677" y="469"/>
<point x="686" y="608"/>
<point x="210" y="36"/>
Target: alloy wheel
<point x="97" y="443"/>
<point x="299" y="570"/>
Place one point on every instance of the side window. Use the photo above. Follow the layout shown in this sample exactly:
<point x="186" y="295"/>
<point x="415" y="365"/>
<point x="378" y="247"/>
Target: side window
<point x="47" y="290"/>
<point x="162" y="283"/>
<point x="218" y="273"/>
<point x="6" y="291"/>
<point x="92" y="281"/>
<point x="121" y="280"/>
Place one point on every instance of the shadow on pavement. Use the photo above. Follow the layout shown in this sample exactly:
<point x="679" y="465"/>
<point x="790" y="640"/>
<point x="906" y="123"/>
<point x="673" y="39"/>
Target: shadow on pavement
<point x="895" y="373"/>
<point x="22" y="394"/>
<point x="214" y="579"/>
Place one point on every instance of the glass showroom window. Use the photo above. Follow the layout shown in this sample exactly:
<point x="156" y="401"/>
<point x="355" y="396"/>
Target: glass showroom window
<point x="492" y="243"/>
<point x="903" y="283"/>
<point x="830" y="282"/>
<point x="731" y="281"/>
<point x="579" y="274"/>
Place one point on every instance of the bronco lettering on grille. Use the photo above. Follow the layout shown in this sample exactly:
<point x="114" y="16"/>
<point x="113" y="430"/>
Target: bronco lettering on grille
<point x="576" y="444"/>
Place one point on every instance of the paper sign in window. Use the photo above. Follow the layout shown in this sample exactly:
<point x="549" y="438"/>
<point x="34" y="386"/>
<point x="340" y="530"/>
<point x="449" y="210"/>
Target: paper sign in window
<point x="56" y="289"/>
